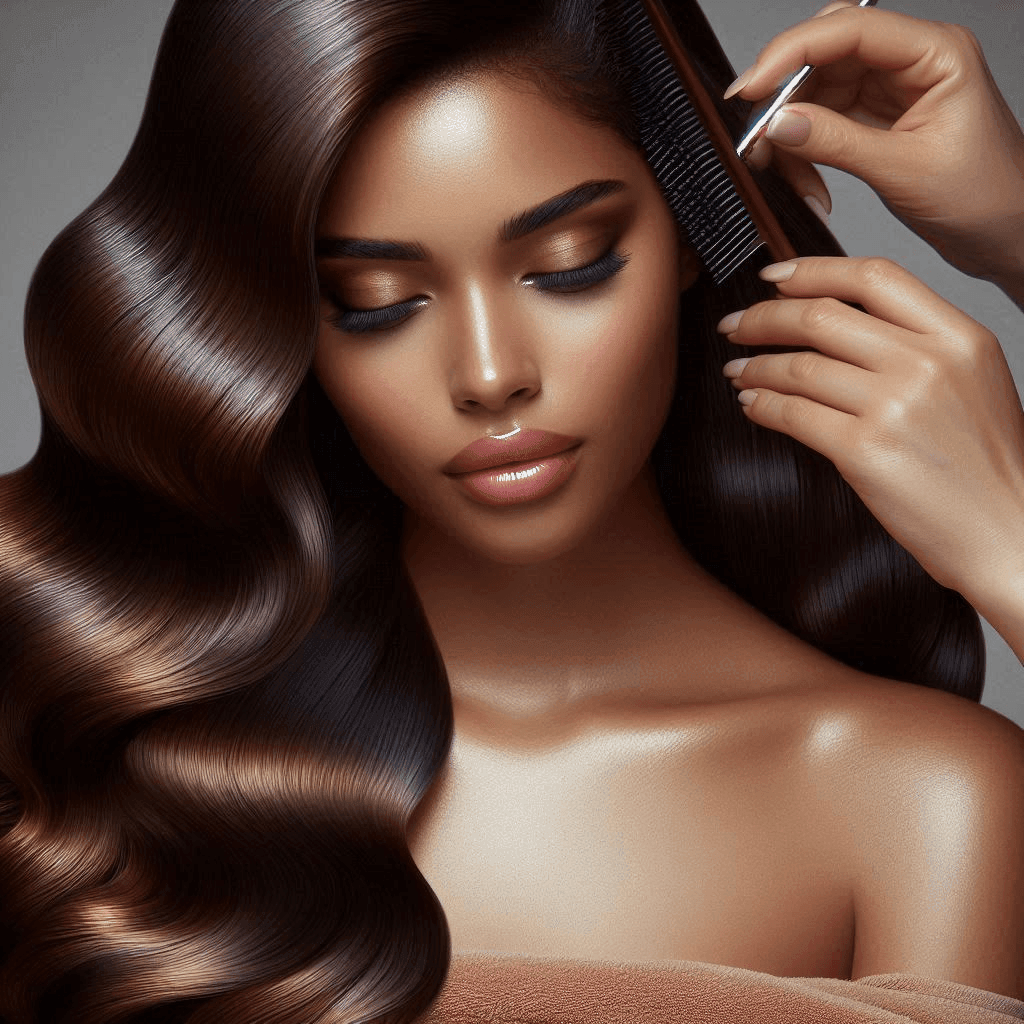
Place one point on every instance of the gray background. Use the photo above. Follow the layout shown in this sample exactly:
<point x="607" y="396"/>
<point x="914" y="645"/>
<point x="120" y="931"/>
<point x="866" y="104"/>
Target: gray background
<point x="73" y="78"/>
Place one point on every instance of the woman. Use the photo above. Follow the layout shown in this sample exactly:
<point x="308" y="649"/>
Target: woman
<point x="303" y="697"/>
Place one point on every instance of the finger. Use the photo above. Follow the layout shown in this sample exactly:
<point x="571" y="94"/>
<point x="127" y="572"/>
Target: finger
<point x="826" y="430"/>
<point x="825" y="324"/>
<point x="886" y="291"/>
<point x="824" y="380"/>
<point x="835" y="7"/>
<point x="912" y="48"/>
<point x="761" y="154"/>
<point x="802" y="175"/>
<point x="819" y="135"/>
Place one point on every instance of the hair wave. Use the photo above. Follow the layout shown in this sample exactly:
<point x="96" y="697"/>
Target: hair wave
<point x="221" y="700"/>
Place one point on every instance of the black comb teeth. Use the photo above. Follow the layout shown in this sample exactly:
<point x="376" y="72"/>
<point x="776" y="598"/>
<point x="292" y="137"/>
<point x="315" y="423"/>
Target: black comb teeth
<point x="695" y="183"/>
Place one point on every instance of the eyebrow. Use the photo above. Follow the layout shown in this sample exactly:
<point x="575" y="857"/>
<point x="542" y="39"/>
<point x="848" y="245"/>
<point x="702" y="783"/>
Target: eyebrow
<point x="514" y="228"/>
<point x="560" y="206"/>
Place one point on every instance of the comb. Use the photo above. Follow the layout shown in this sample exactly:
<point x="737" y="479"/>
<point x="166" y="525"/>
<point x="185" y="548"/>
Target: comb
<point x="690" y="149"/>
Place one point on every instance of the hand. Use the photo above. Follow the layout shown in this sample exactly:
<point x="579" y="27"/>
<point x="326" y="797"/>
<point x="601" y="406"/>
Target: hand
<point x="912" y="401"/>
<point x="910" y="107"/>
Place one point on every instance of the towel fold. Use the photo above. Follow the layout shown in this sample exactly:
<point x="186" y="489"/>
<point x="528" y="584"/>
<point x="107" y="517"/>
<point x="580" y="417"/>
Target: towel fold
<point x="498" y="988"/>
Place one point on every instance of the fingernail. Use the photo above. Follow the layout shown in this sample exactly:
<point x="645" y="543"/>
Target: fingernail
<point x="735" y="367"/>
<point x="818" y="207"/>
<point x="747" y="397"/>
<point x="739" y="83"/>
<point x="789" y="128"/>
<point x="777" y="271"/>
<point x="731" y="322"/>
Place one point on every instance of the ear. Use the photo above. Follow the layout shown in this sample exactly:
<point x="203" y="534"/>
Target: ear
<point x="690" y="267"/>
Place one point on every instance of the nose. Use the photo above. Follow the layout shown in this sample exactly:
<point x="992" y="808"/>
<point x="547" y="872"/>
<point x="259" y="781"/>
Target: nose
<point x="492" y="362"/>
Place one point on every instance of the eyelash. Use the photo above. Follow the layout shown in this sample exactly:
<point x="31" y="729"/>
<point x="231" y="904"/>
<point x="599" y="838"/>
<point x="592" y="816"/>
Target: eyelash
<point x="579" y="278"/>
<point x="565" y="282"/>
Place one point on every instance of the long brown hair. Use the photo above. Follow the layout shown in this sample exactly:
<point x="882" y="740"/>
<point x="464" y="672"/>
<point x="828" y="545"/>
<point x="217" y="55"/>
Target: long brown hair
<point x="221" y="700"/>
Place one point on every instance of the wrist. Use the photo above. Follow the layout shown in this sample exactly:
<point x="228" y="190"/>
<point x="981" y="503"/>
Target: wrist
<point x="1005" y="264"/>
<point x="999" y="599"/>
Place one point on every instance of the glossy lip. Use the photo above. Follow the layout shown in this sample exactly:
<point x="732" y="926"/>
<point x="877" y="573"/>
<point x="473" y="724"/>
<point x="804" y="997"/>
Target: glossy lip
<point x="516" y="483"/>
<point x="516" y="446"/>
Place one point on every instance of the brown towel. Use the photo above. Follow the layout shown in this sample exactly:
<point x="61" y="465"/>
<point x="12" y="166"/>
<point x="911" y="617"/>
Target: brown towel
<point x="501" y="988"/>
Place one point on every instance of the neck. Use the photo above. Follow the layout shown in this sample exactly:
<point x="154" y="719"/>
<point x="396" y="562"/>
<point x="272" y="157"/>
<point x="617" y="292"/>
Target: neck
<point x="527" y="640"/>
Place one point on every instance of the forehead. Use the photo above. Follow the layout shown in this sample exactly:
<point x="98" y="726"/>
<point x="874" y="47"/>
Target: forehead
<point x="487" y="144"/>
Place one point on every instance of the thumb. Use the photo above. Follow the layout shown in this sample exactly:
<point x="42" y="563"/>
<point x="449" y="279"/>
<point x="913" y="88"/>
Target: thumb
<point x="822" y="136"/>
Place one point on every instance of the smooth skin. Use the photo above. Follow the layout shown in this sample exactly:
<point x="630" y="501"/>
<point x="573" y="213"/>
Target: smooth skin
<point x="910" y="107"/>
<point x="913" y="401"/>
<point x="644" y="767"/>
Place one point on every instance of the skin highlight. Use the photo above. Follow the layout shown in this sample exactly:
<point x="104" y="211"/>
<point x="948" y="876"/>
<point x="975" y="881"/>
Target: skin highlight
<point x="585" y="572"/>
<point x="487" y="352"/>
<point x="644" y="766"/>
<point x="558" y="619"/>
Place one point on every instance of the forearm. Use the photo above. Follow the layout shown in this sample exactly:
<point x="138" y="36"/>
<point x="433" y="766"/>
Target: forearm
<point x="1002" y="605"/>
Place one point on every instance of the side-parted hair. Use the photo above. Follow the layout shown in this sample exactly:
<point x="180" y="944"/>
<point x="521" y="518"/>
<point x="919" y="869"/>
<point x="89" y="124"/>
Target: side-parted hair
<point x="221" y="702"/>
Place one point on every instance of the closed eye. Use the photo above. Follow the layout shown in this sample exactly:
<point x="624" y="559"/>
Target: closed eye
<point x="580" y="278"/>
<point x="359" y="321"/>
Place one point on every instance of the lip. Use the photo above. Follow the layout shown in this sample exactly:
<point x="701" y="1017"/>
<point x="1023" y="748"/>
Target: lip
<point x="521" y="446"/>
<point x="522" y="466"/>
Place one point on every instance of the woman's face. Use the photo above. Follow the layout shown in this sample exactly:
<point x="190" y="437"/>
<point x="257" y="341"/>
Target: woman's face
<point x="460" y="304"/>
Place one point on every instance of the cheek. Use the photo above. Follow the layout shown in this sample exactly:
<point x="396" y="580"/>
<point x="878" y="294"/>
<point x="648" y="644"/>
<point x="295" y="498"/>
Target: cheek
<point x="631" y="360"/>
<point x="382" y="399"/>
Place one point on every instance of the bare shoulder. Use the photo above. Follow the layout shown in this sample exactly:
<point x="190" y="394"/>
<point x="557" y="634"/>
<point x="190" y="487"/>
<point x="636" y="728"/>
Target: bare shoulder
<point x="925" y="793"/>
<point x="886" y="749"/>
<point x="900" y="730"/>
<point x="883" y="719"/>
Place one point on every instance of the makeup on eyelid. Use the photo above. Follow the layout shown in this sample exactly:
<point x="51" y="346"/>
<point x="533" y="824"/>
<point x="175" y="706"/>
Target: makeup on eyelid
<point x="596" y="227"/>
<point x="382" y="315"/>
<point x="515" y="247"/>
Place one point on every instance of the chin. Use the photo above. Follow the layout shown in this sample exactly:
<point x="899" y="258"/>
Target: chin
<point x="534" y="533"/>
<point x="529" y="551"/>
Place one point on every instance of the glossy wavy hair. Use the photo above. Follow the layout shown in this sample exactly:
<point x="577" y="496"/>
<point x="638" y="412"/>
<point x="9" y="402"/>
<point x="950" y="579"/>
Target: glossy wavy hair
<point x="221" y="701"/>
